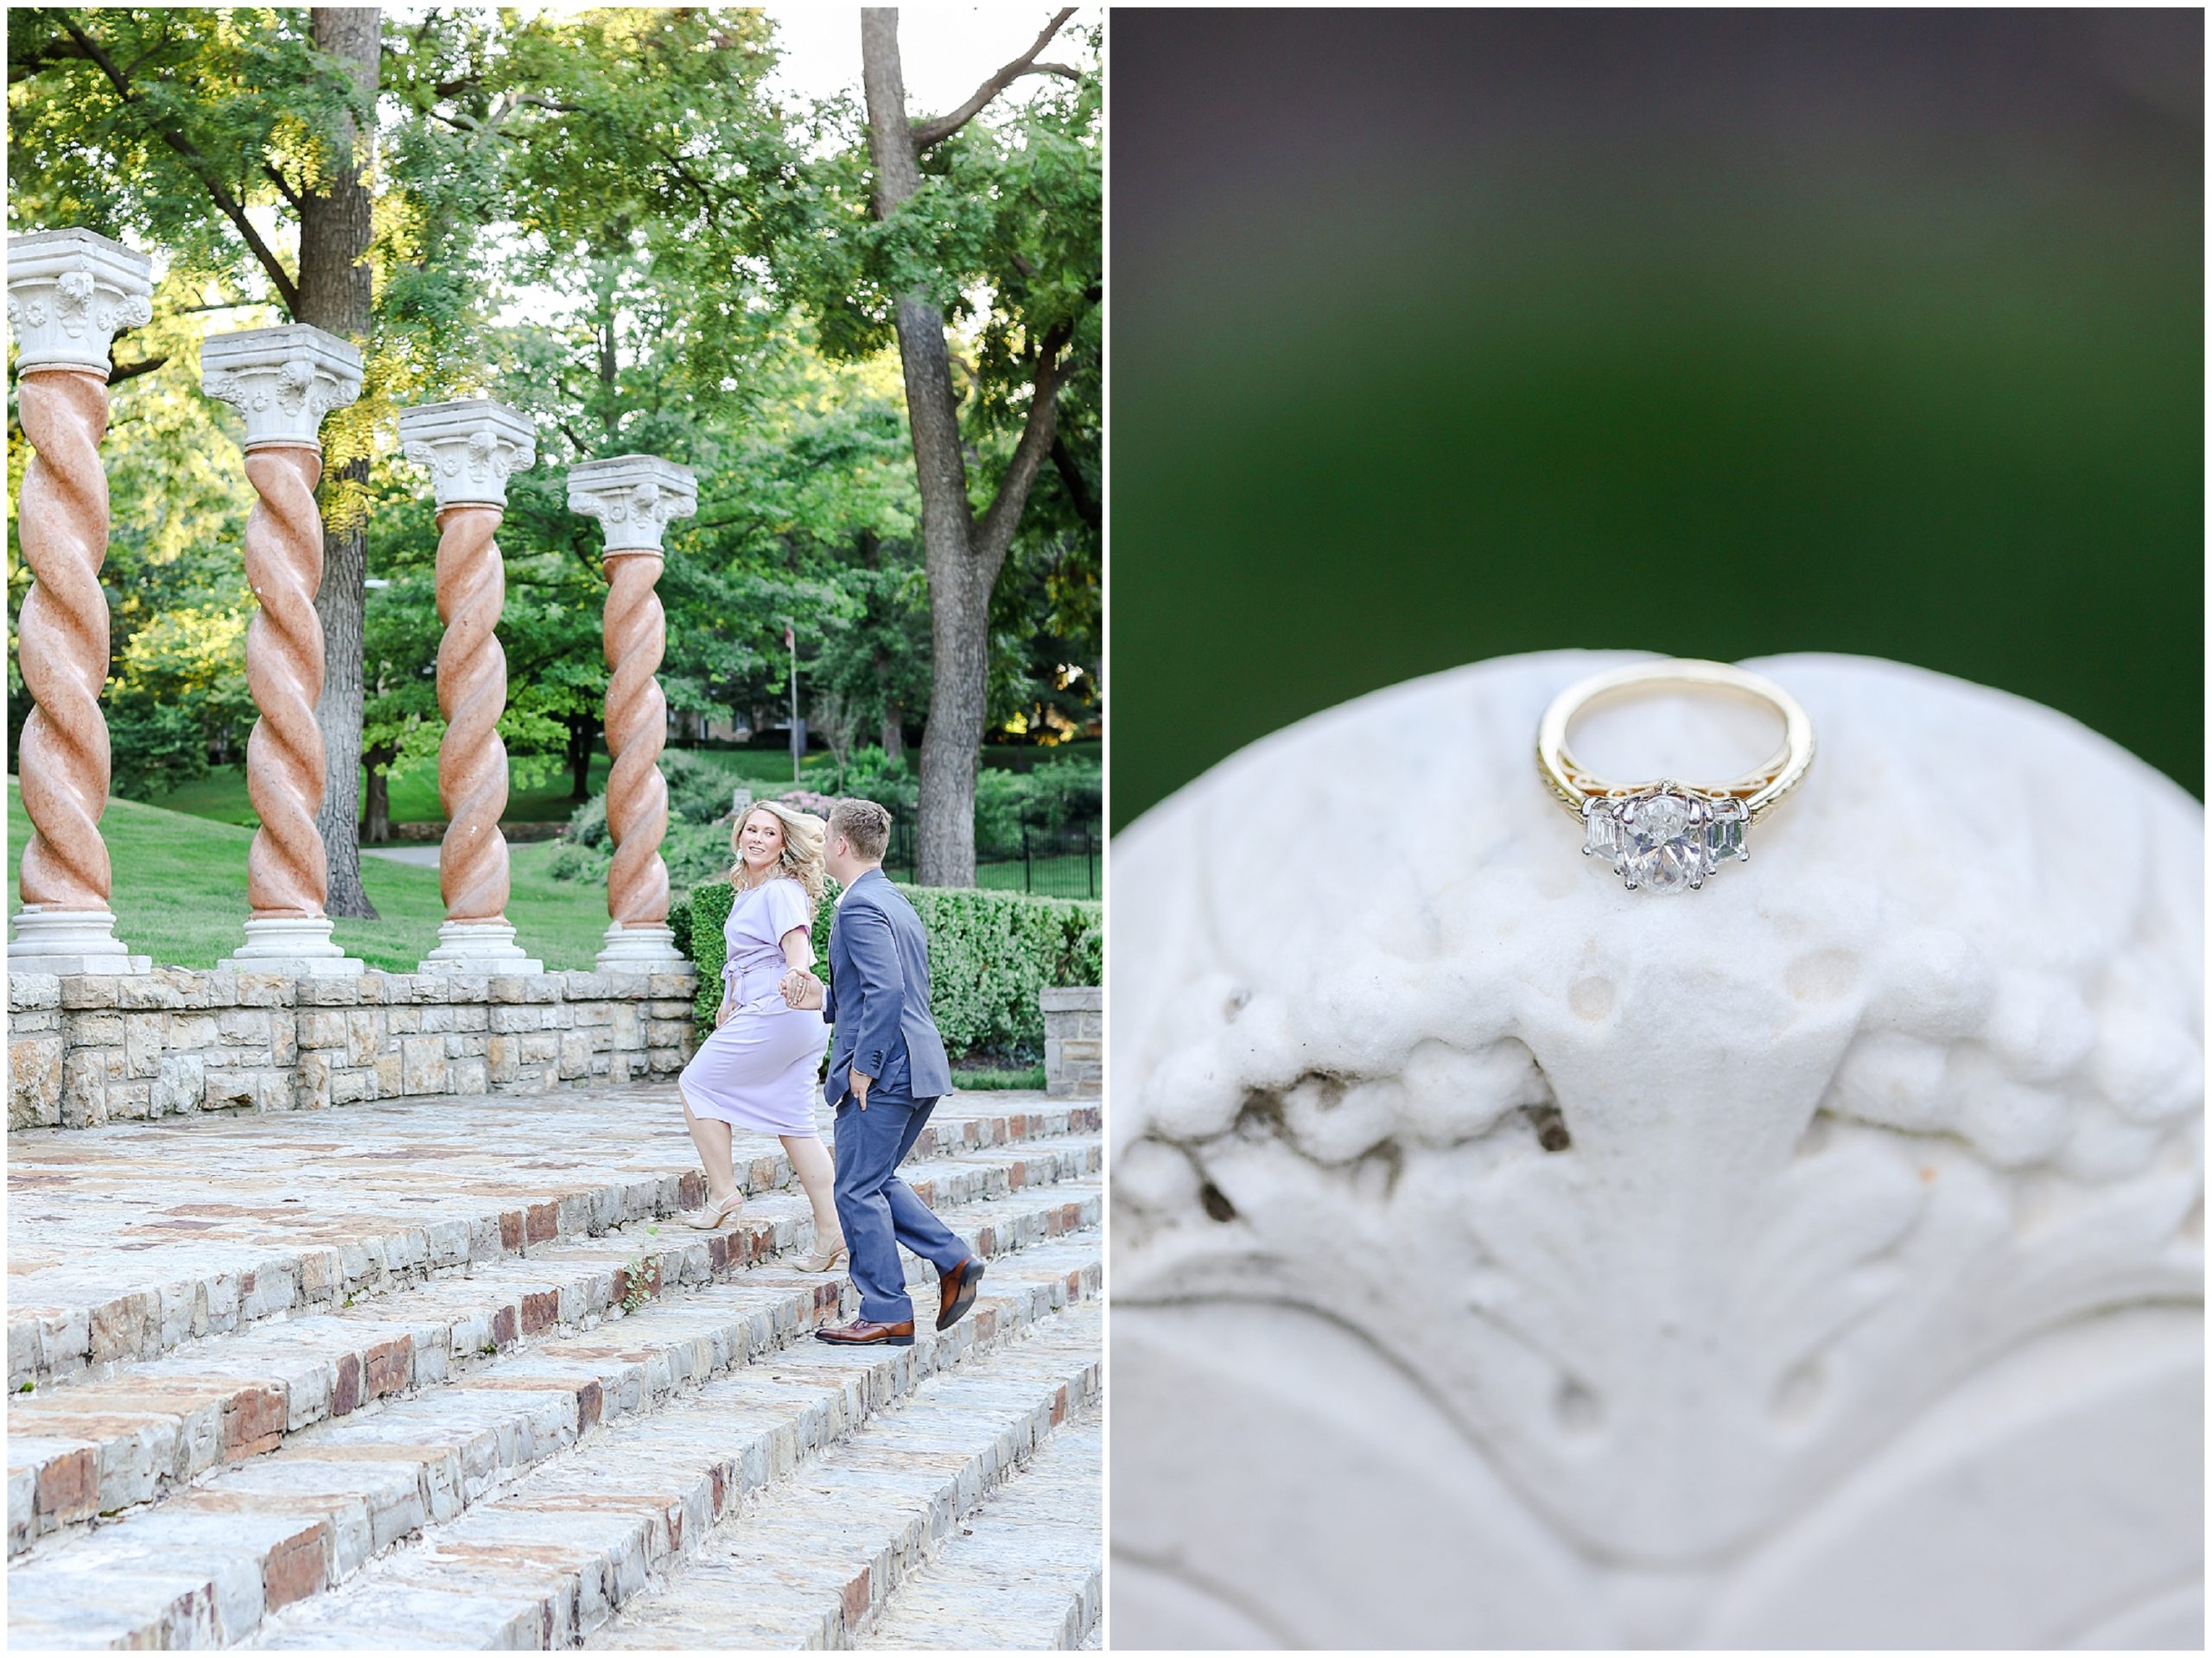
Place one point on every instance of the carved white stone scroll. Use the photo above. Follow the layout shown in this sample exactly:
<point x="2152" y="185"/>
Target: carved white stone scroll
<point x="469" y="448"/>
<point x="69" y="293"/>
<point x="284" y="381"/>
<point x="635" y="497"/>
<point x="1503" y="1258"/>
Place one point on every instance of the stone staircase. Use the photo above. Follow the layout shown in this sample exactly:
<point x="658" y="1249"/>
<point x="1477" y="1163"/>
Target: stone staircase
<point x="424" y="1376"/>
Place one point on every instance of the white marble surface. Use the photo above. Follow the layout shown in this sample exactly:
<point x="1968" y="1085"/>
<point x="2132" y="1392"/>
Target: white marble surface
<point x="1864" y="1307"/>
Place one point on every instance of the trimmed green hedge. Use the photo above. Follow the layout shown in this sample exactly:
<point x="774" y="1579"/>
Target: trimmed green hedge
<point x="990" y="953"/>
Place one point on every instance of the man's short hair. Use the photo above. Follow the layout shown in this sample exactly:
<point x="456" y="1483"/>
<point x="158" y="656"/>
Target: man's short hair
<point x="866" y="827"/>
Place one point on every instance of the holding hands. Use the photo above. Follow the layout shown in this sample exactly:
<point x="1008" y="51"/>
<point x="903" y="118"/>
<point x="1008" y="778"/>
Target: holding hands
<point x="802" y="989"/>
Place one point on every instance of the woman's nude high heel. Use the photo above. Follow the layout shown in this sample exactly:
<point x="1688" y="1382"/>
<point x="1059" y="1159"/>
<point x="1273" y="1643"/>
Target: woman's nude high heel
<point x="823" y="1260"/>
<point x="714" y="1216"/>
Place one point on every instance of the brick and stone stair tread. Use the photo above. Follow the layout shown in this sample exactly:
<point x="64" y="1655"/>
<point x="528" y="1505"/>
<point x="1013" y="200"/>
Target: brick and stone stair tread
<point x="101" y="1446"/>
<point x="117" y="1253"/>
<point x="338" y="1493"/>
<point x="1023" y="1572"/>
<point x="551" y="1558"/>
<point x="812" y="1563"/>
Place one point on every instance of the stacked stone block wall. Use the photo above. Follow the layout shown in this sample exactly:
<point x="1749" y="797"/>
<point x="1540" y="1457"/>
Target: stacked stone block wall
<point x="84" y="1050"/>
<point x="1075" y="1036"/>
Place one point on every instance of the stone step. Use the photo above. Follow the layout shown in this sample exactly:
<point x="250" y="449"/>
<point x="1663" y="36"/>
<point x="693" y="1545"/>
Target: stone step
<point x="815" y="1561"/>
<point x="1023" y="1572"/>
<point x="99" y="1447"/>
<point x="204" y="1566"/>
<point x="125" y="1243"/>
<point x="551" y="1558"/>
<point x="768" y="1504"/>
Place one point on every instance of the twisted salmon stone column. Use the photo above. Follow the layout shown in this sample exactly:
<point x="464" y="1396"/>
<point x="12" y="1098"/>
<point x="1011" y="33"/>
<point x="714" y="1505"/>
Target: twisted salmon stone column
<point x="284" y="381"/>
<point x="469" y="447"/>
<point x="69" y="293"/>
<point x="634" y="497"/>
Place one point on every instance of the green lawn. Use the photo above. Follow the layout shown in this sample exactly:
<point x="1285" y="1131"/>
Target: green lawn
<point x="999" y="1077"/>
<point x="180" y="894"/>
<point x="1071" y="876"/>
<point x="220" y="794"/>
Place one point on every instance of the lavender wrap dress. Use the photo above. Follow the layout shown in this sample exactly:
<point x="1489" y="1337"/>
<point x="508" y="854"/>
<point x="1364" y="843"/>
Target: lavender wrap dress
<point x="758" y="1070"/>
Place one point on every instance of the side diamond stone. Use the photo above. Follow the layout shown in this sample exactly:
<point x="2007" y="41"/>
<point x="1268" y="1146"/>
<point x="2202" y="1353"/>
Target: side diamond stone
<point x="1601" y="836"/>
<point x="1724" y="835"/>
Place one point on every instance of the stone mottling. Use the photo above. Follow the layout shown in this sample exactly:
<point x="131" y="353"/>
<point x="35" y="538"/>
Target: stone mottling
<point x="1023" y="1571"/>
<point x="1074" y="1032"/>
<point x="467" y="1336"/>
<point x="328" y="1359"/>
<point x="790" y="1495"/>
<point x="817" y="1560"/>
<point x="539" y="1455"/>
<point x="87" y="1050"/>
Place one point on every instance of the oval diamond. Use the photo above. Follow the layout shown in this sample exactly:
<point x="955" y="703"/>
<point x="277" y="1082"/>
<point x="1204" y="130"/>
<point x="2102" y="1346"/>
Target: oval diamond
<point x="1663" y="841"/>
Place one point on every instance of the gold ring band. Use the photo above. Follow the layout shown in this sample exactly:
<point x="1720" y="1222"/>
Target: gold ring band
<point x="1663" y="833"/>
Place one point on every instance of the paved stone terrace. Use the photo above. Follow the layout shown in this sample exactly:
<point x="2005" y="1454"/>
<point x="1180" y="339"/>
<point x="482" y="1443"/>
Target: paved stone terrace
<point x="338" y="1378"/>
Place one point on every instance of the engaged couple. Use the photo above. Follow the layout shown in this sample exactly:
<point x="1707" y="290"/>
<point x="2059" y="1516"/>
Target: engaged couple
<point x="887" y="1065"/>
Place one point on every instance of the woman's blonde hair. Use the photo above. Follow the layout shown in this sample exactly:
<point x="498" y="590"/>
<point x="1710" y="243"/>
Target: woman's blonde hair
<point x="802" y="855"/>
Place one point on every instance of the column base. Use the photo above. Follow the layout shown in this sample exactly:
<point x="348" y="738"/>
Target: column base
<point x="485" y="947"/>
<point x="296" y="944"/>
<point x="70" y="940"/>
<point x="640" y="949"/>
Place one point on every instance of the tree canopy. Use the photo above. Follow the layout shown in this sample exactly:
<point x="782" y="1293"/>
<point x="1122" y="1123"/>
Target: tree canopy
<point x="614" y="222"/>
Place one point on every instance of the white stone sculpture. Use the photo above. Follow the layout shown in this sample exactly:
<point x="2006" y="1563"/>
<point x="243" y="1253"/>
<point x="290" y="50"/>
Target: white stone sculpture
<point x="1504" y="1259"/>
<point x="283" y="380"/>
<point x="469" y="447"/>
<point x="634" y="497"/>
<point x="69" y="293"/>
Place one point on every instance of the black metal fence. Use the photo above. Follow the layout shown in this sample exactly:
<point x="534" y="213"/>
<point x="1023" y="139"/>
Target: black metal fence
<point x="1032" y="855"/>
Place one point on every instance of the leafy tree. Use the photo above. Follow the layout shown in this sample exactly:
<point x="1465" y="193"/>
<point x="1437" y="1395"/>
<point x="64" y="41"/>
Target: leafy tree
<point x="994" y="227"/>
<point x="181" y="126"/>
<point x="704" y="274"/>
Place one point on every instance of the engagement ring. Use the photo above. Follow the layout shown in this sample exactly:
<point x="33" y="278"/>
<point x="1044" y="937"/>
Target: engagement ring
<point x="1667" y="837"/>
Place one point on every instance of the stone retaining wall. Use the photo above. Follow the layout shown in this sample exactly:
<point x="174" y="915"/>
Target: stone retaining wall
<point x="85" y="1049"/>
<point x="1074" y="1035"/>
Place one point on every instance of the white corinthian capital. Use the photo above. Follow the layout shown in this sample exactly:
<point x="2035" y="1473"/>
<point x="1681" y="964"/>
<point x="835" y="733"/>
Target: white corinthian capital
<point x="1505" y="1260"/>
<point x="69" y="293"/>
<point x="634" y="497"/>
<point x="283" y="380"/>
<point x="468" y="448"/>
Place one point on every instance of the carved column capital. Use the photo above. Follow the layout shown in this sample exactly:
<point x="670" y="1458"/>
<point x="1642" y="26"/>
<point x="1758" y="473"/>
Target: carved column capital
<point x="69" y="293"/>
<point x="283" y="380"/>
<point x="634" y="497"/>
<point x="468" y="447"/>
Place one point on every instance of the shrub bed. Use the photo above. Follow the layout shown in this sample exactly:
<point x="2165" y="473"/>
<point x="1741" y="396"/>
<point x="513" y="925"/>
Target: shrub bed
<point x="990" y="953"/>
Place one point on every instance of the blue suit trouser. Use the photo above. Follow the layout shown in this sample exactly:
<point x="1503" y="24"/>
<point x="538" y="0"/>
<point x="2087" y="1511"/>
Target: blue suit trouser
<point x="878" y="1210"/>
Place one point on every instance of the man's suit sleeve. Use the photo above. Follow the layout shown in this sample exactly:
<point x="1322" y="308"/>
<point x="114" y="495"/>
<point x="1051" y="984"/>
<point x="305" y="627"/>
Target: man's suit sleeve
<point x="880" y="984"/>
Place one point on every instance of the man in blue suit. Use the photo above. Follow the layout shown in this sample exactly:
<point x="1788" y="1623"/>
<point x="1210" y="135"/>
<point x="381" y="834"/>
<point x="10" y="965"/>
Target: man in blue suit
<point x="888" y="1069"/>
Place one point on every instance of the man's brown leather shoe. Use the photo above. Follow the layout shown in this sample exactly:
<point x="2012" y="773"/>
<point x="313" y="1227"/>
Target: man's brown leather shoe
<point x="862" y="1333"/>
<point x="958" y="1287"/>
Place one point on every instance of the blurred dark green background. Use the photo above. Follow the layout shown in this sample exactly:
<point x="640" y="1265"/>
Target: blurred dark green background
<point x="1438" y="336"/>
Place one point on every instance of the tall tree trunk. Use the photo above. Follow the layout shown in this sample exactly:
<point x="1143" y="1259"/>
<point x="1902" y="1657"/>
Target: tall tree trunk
<point x="376" y="826"/>
<point x="892" y="733"/>
<point x="961" y="558"/>
<point x="581" y="729"/>
<point x="946" y="854"/>
<point x="335" y="295"/>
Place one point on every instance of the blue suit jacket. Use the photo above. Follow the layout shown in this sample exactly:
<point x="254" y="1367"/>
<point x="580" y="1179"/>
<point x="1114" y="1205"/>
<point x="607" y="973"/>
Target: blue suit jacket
<point x="877" y="998"/>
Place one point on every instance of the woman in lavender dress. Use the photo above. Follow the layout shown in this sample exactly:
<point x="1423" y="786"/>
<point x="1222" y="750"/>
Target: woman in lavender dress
<point x="758" y="1069"/>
